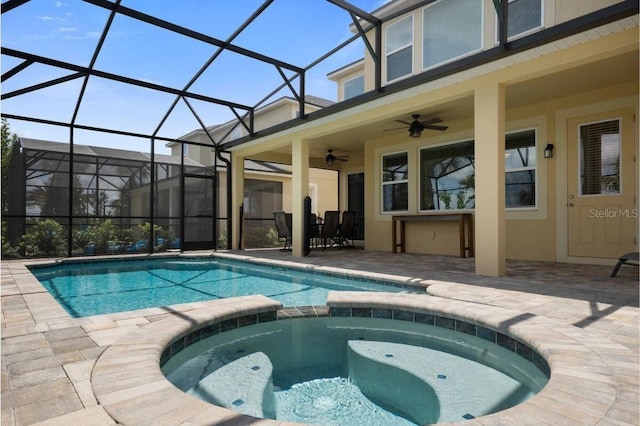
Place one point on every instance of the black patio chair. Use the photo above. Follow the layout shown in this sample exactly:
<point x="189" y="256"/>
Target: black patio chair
<point x="329" y="230"/>
<point x="630" y="259"/>
<point x="283" y="223"/>
<point x="347" y="229"/>
<point x="314" y="232"/>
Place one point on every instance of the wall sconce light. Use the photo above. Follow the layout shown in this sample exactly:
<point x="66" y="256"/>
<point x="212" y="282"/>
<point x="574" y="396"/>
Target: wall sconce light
<point x="548" y="151"/>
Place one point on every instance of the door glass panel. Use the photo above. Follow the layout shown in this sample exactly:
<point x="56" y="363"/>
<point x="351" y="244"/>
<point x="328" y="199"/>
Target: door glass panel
<point x="600" y="158"/>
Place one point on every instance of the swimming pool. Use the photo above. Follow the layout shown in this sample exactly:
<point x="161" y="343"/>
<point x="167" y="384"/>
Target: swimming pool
<point x="102" y="287"/>
<point x="355" y="371"/>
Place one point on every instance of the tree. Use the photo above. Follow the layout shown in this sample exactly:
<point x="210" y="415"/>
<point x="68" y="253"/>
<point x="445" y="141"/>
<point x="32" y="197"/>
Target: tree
<point x="8" y="140"/>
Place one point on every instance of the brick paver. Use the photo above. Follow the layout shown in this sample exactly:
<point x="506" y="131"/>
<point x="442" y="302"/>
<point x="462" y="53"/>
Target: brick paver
<point x="47" y="357"/>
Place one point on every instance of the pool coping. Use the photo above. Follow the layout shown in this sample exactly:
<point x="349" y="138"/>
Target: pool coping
<point x="31" y="284"/>
<point x="129" y="385"/>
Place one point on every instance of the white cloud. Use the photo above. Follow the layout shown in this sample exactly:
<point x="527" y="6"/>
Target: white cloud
<point x="46" y="18"/>
<point x="66" y="30"/>
<point x="60" y="4"/>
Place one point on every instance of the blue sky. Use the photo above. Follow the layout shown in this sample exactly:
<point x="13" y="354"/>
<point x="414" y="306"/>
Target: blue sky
<point x="294" y="31"/>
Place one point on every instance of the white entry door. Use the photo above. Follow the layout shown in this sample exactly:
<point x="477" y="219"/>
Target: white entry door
<point x="601" y="205"/>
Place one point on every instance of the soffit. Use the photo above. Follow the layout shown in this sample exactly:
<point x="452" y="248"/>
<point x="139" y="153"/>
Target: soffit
<point x="614" y="71"/>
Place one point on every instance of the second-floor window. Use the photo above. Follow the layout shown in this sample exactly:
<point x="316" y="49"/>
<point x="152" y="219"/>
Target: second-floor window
<point x="524" y="16"/>
<point x="451" y="29"/>
<point x="354" y="87"/>
<point x="399" y="49"/>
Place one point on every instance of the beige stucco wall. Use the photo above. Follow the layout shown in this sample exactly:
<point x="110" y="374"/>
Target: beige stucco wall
<point x="531" y="234"/>
<point x="569" y="9"/>
<point x="273" y="116"/>
<point x="326" y="182"/>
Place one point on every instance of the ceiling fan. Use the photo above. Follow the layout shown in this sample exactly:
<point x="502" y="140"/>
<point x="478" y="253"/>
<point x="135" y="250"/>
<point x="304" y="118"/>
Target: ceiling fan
<point x="416" y="127"/>
<point x="330" y="158"/>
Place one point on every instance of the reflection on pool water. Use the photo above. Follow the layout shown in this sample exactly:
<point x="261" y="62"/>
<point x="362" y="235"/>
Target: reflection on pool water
<point x="355" y="371"/>
<point x="102" y="287"/>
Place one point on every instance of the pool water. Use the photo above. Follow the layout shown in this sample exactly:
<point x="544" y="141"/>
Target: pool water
<point x="354" y="371"/>
<point x="93" y="288"/>
<point x="332" y="401"/>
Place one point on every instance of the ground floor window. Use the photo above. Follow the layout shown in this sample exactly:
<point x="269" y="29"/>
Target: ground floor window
<point x="447" y="174"/>
<point x="447" y="177"/>
<point x="395" y="191"/>
<point x="520" y="169"/>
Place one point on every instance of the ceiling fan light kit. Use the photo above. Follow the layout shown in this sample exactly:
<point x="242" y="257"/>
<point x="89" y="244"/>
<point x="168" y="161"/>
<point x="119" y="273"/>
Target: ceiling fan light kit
<point x="416" y="127"/>
<point x="330" y="158"/>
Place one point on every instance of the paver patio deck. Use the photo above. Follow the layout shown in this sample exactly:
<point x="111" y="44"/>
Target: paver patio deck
<point x="48" y="357"/>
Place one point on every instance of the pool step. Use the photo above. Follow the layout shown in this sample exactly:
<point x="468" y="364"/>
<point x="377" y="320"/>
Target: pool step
<point x="244" y="385"/>
<point x="427" y="385"/>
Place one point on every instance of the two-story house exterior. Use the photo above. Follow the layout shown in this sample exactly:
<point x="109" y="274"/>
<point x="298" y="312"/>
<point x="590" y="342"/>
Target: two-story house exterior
<point x="541" y="140"/>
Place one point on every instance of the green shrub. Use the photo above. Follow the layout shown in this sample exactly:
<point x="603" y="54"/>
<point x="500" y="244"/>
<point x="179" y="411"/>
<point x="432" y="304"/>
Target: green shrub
<point x="98" y="238"/>
<point x="8" y="251"/>
<point x="261" y="238"/>
<point x="102" y="235"/>
<point x="163" y="237"/>
<point x="45" y="238"/>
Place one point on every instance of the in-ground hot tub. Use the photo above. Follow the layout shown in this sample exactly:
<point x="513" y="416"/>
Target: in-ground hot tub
<point x="130" y="387"/>
<point x="359" y="366"/>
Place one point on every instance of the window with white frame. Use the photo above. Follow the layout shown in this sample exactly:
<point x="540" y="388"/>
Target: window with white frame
<point x="524" y="16"/>
<point x="520" y="162"/>
<point x="451" y="29"/>
<point x="185" y="149"/>
<point x="447" y="174"/>
<point x="447" y="177"/>
<point x="395" y="182"/>
<point x="354" y="87"/>
<point x="399" y="49"/>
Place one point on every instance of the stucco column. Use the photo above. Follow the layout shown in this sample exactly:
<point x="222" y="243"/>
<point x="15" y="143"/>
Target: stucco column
<point x="489" y="181"/>
<point x="237" y="194"/>
<point x="300" y="189"/>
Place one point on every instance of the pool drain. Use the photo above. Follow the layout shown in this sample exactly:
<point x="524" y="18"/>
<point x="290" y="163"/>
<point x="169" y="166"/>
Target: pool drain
<point x="324" y="403"/>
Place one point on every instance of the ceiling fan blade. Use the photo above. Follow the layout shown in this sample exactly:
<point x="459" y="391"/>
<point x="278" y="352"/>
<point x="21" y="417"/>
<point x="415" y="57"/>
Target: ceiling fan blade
<point x="342" y="159"/>
<point x="403" y="122"/>
<point x="436" y="127"/>
<point x="395" y="128"/>
<point x="431" y="121"/>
